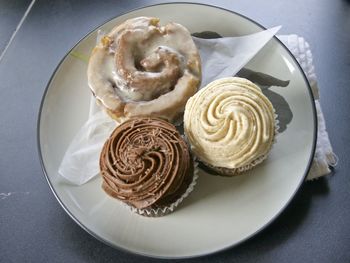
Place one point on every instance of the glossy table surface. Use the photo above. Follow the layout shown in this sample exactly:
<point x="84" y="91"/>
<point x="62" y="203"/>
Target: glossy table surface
<point x="34" y="36"/>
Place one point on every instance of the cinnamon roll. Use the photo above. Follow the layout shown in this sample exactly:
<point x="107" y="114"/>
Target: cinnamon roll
<point x="146" y="163"/>
<point x="230" y="125"/>
<point x="141" y="68"/>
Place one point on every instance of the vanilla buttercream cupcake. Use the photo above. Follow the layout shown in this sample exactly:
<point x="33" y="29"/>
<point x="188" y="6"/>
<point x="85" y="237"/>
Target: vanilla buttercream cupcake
<point x="230" y="125"/>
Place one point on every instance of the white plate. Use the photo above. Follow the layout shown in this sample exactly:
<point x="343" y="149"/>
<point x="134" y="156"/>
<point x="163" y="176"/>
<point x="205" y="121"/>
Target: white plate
<point x="221" y="212"/>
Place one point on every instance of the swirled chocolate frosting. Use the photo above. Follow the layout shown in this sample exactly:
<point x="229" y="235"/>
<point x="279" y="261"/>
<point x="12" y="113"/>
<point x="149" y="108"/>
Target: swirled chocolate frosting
<point x="145" y="162"/>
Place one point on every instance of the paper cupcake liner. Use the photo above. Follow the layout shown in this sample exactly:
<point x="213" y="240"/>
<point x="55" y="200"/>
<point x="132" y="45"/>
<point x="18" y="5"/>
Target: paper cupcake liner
<point x="236" y="171"/>
<point x="161" y="211"/>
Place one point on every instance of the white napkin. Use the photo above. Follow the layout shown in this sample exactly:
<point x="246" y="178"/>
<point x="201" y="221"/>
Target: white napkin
<point x="324" y="156"/>
<point x="223" y="57"/>
<point x="80" y="162"/>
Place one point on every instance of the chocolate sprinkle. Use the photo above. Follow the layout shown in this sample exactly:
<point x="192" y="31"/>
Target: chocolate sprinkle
<point x="144" y="162"/>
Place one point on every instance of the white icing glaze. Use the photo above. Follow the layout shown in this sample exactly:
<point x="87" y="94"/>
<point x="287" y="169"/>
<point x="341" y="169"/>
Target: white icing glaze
<point x="140" y="61"/>
<point x="229" y="123"/>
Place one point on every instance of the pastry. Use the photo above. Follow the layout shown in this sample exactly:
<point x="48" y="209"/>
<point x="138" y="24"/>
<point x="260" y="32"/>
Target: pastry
<point x="143" y="68"/>
<point x="230" y="125"/>
<point x="146" y="164"/>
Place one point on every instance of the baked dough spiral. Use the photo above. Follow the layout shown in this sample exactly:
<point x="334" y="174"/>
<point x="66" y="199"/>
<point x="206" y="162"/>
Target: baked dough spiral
<point x="143" y="68"/>
<point x="230" y="123"/>
<point x="145" y="162"/>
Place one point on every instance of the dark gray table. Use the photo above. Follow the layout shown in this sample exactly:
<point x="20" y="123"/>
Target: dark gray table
<point x="315" y="227"/>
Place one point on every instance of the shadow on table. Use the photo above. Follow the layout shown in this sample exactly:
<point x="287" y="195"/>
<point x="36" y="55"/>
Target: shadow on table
<point x="284" y="226"/>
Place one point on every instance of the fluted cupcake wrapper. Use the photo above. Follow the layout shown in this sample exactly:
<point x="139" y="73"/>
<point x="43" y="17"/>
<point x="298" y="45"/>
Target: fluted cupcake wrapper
<point x="162" y="211"/>
<point x="236" y="171"/>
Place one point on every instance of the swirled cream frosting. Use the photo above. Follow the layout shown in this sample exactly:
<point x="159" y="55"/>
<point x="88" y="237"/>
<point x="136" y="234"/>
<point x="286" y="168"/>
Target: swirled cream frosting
<point x="145" y="162"/>
<point x="143" y="68"/>
<point x="229" y="123"/>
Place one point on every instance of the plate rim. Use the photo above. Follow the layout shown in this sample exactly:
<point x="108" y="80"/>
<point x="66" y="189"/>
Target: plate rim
<point x="129" y="251"/>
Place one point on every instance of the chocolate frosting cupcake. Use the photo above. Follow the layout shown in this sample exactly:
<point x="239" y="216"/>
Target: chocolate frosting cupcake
<point x="146" y="163"/>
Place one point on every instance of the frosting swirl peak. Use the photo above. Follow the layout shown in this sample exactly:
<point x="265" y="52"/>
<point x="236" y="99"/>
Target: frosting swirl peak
<point x="230" y="123"/>
<point x="144" y="162"/>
